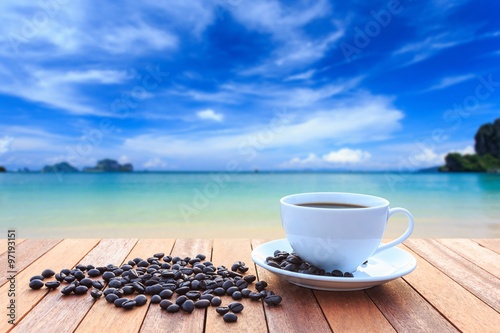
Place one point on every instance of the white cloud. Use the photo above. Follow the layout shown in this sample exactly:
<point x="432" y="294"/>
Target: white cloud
<point x="285" y="24"/>
<point x="346" y="155"/>
<point x="469" y="150"/>
<point x="210" y="115"/>
<point x="349" y="121"/>
<point x="451" y="80"/>
<point x="155" y="162"/>
<point x="301" y="76"/>
<point x="341" y="157"/>
<point x="5" y="144"/>
<point x="124" y="159"/>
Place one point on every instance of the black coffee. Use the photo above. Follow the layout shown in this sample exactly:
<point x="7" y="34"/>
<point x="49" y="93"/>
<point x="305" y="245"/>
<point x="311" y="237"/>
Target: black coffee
<point x="330" y="205"/>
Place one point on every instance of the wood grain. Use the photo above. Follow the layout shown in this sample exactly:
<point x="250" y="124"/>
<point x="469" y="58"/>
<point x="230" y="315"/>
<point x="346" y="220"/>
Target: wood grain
<point x="491" y="243"/>
<point x="352" y="311"/>
<point x="226" y="252"/>
<point x="479" y="282"/>
<point x="475" y="253"/>
<point x="299" y="311"/>
<point x="406" y="310"/>
<point x="463" y="309"/>
<point x="26" y="253"/>
<point x="64" y="255"/>
<point x="64" y="313"/>
<point x="104" y="316"/>
<point x="158" y="320"/>
<point x="3" y="244"/>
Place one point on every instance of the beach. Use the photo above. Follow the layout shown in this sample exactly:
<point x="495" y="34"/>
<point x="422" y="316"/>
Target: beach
<point x="219" y="205"/>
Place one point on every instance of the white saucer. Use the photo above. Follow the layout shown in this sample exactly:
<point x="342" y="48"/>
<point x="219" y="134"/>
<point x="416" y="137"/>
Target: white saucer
<point x="381" y="268"/>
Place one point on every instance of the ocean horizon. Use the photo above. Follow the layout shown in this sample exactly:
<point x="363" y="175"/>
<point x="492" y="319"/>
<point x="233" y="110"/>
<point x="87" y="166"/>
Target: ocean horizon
<point x="193" y="204"/>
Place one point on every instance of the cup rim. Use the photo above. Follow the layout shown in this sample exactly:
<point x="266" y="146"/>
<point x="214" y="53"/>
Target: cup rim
<point x="384" y="204"/>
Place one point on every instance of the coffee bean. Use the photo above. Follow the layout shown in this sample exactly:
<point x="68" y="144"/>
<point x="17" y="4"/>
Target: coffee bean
<point x="164" y="304"/>
<point x="155" y="299"/>
<point x="96" y="293"/>
<point x="173" y="308"/>
<point x="231" y="290"/>
<point x="69" y="279"/>
<point x="140" y="300"/>
<point x="48" y="273"/>
<point x="36" y="284"/>
<point x="222" y="310"/>
<point x="166" y="293"/>
<point x="261" y="285"/>
<point x="79" y="275"/>
<point x="216" y="301"/>
<point x="347" y="274"/>
<point x="80" y="290"/>
<point x="207" y="296"/>
<point x="245" y="292"/>
<point x="129" y="304"/>
<point x="230" y="318"/>
<point x="273" y="300"/>
<point x="243" y="269"/>
<point x="194" y="295"/>
<point x="167" y="258"/>
<point x="154" y="289"/>
<point x="188" y="306"/>
<point x="128" y="290"/>
<point x="97" y="284"/>
<point x="37" y="277"/>
<point x="81" y="267"/>
<point x="273" y="264"/>
<point x="182" y="290"/>
<point x="337" y="273"/>
<point x="255" y="296"/>
<point x="86" y="282"/>
<point x="241" y="284"/>
<point x="219" y="291"/>
<point x="159" y="255"/>
<point x="60" y="277"/>
<point x="237" y="295"/>
<point x="250" y="278"/>
<point x="202" y="303"/>
<point x="68" y="290"/>
<point x="119" y="302"/>
<point x="52" y="284"/>
<point x="235" y="307"/>
<point x="108" y="276"/>
<point x="228" y="284"/>
<point x="139" y="287"/>
<point x="201" y="256"/>
<point x="94" y="272"/>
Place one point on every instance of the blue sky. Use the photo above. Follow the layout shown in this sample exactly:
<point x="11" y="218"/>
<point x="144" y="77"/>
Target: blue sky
<point x="239" y="84"/>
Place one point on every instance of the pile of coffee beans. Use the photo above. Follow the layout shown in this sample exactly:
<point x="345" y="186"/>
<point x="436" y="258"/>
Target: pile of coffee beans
<point x="293" y="263"/>
<point x="197" y="284"/>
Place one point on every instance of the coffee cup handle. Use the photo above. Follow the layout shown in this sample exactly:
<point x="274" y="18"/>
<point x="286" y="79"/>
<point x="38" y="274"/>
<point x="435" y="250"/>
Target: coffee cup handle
<point x="401" y="239"/>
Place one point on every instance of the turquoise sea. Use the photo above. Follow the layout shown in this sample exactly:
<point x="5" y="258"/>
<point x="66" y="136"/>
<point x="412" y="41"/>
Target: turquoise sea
<point x="215" y="204"/>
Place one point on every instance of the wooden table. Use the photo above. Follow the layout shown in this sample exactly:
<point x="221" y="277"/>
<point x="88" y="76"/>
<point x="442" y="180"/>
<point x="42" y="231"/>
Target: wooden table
<point x="455" y="287"/>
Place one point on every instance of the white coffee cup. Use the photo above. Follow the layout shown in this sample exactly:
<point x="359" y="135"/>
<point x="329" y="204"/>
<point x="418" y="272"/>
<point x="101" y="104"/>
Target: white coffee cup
<point x="341" y="238"/>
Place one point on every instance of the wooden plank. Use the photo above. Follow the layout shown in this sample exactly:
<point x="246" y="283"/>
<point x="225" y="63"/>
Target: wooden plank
<point x="64" y="255"/>
<point x="463" y="309"/>
<point x="226" y="252"/>
<point x="3" y="244"/>
<point x="26" y="253"/>
<point x="299" y="311"/>
<point x="352" y="311"/>
<point x="491" y="243"/>
<point x="475" y="253"/>
<point x="104" y="316"/>
<point x="158" y="320"/>
<point x="64" y="313"/>
<point x="406" y="310"/>
<point x="479" y="282"/>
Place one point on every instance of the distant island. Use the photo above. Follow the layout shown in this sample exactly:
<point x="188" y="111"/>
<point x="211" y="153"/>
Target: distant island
<point x="105" y="165"/>
<point x="59" y="167"/>
<point x="109" y="165"/>
<point x="487" y="157"/>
